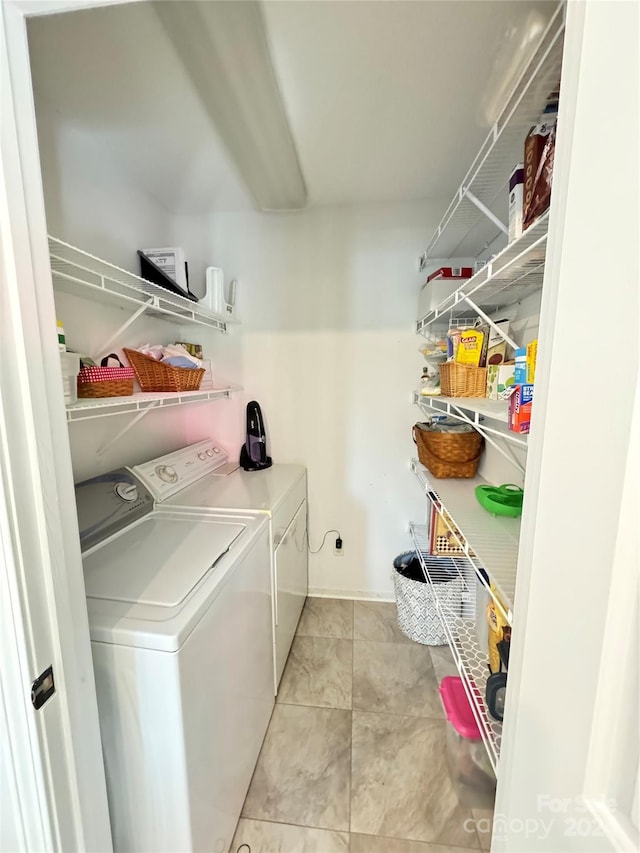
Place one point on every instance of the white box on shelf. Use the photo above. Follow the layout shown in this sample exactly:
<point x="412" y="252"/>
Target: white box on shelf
<point x="170" y="261"/>
<point x="207" y="379"/>
<point x="70" y="366"/>
<point x="434" y="292"/>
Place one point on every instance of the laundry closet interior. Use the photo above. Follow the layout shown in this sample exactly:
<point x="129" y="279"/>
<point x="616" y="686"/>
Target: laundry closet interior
<point x="310" y="152"/>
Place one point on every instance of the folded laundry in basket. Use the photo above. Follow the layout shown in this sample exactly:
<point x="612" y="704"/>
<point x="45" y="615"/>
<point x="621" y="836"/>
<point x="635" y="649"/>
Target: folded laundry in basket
<point x="180" y="361"/>
<point x="178" y="351"/>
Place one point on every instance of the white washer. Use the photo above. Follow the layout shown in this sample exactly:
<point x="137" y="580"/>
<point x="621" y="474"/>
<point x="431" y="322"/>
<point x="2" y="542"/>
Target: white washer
<point x="279" y="493"/>
<point x="180" y="619"/>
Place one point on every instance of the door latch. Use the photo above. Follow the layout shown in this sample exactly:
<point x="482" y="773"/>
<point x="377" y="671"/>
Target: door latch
<point x="42" y="688"/>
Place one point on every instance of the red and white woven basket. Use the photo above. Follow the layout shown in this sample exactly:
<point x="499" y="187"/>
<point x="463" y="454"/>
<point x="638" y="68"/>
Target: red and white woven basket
<point x="106" y="381"/>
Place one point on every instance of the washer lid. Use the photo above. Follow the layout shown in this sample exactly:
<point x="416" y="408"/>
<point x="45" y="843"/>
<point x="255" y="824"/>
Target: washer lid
<point x="158" y="561"/>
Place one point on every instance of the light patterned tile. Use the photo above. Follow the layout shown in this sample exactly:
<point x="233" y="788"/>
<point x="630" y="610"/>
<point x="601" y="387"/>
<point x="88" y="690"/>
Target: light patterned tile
<point x="265" y="837"/>
<point x="400" y="786"/>
<point x="318" y="672"/>
<point x="379" y="844"/>
<point x="484" y="826"/>
<point x="443" y="663"/>
<point x="302" y="774"/>
<point x="377" y="621"/>
<point x="392" y="678"/>
<point x="327" y="617"/>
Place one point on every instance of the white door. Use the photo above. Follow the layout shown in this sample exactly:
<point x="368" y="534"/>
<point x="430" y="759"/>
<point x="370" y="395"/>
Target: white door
<point x="568" y="772"/>
<point x="291" y="584"/>
<point x="51" y="770"/>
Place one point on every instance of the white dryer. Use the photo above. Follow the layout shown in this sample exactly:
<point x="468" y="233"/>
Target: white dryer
<point x="278" y="493"/>
<point x="180" y="620"/>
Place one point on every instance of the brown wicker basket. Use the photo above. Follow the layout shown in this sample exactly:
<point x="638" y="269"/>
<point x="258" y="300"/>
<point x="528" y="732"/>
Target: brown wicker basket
<point x="453" y="455"/>
<point x="462" y="380"/>
<point x="114" y="388"/>
<point x="156" y="376"/>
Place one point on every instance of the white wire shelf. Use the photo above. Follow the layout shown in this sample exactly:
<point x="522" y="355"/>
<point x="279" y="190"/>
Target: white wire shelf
<point x="473" y="410"/>
<point x="86" y="409"/>
<point x="470" y="659"/>
<point x="463" y="230"/>
<point x="494" y="540"/>
<point x="81" y="274"/>
<point x="515" y="273"/>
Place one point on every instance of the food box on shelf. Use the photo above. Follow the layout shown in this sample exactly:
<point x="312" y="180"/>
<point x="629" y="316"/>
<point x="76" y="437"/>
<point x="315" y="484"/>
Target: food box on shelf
<point x="520" y="404"/>
<point x="470" y="347"/>
<point x="521" y="366"/>
<point x="500" y="378"/>
<point x="445" y="538"/>
<point x="516" y="187"/>
<point x="496" y="344"/>
<point x="532" y="355"/>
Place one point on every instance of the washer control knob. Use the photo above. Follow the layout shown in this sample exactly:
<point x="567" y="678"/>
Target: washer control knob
<point x="209" y="453"/>
<point x="127" y="492"/>
<point x="217" y="450"/>
<point x="167" y="473"/>
<point x="202" y="456"/>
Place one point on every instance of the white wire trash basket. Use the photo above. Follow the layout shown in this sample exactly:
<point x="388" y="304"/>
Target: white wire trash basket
<point x="416" y="601"/>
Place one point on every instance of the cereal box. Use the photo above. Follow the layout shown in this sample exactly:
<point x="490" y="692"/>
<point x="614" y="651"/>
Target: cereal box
<point x="520" y="404"/>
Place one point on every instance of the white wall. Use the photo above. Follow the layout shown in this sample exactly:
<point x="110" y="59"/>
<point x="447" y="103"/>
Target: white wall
<point x="89" y="201"/>
<point x="328" y="300"/>
<point x="93" y="204"/>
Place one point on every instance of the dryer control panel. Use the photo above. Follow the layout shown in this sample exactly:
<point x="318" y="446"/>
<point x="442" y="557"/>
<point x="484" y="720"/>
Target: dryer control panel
<point x="175" y="471"/>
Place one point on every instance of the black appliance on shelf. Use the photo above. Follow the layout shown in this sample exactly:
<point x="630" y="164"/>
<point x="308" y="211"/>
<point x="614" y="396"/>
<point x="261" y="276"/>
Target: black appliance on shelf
<point x="253" y="456"/>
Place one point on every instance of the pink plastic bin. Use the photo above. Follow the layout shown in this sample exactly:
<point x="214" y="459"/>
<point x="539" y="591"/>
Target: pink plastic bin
<point x="457" y="708"/>
<point x="467" y="759"/>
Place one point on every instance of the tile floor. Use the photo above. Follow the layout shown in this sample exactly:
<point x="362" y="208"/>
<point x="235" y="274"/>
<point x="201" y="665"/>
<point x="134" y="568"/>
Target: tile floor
<point x="354" y="758"/>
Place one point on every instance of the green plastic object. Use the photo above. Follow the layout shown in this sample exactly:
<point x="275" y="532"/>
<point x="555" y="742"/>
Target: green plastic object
<point x="501" y="500"/>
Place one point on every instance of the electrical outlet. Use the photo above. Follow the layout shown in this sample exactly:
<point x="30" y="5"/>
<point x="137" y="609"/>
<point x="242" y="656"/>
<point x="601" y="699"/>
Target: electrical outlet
<point x="338" y="548"/>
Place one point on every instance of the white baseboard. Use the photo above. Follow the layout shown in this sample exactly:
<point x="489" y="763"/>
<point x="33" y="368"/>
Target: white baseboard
<point x="352" y="594"/>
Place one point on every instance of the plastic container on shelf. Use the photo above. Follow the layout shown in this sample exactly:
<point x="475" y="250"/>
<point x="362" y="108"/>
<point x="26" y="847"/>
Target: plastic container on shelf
<point x="467" y="759"/>
<point x="70" y="366"/>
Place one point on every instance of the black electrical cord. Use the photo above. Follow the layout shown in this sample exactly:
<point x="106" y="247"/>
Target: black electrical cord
<point x="324" y="539"/>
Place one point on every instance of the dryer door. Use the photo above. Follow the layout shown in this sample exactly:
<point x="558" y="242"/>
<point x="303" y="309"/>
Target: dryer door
<point x="291" y="585"/>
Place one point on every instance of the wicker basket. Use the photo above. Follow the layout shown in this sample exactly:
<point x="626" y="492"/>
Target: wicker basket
<point x="453" y="455"/>
<point x="462" y="380"/>
<point x="105" y="381"/>
<point x="156" y="376"/>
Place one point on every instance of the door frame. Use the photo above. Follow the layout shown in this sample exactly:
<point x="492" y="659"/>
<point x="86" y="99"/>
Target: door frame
<point x="52" y="772"/>
<point x="574" y="628"/>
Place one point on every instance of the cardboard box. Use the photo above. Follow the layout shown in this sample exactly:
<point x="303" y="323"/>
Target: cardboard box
<point x="532" y="355"/>
<point x="533" y="148"/>
<point x="500" y="378"/>
<point x="521" y="366"/>
<point x="496" y="345"/>
<point x="470" y="347"/>
<point x="516" y="195"/>
<point x="520" y="404"/>
<point x="445" y="538"/>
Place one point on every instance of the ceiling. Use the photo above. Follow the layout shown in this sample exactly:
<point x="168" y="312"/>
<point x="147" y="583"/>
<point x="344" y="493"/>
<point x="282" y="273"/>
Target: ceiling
<point x="386" y="100"/>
